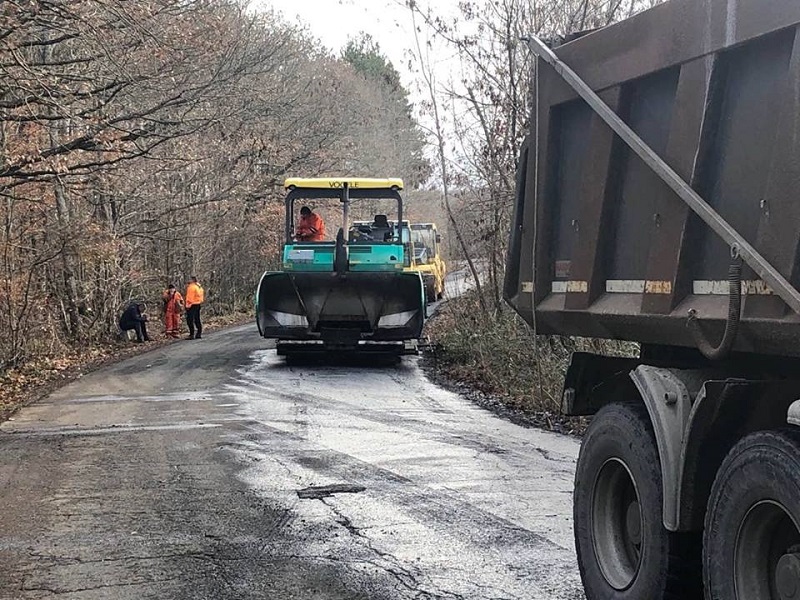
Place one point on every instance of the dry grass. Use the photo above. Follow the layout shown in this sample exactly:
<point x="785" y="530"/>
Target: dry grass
<point x="500" y="355"/>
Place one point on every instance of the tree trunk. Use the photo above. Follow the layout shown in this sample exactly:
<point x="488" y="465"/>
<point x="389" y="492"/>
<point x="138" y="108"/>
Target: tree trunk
<point x="68" y="267"/>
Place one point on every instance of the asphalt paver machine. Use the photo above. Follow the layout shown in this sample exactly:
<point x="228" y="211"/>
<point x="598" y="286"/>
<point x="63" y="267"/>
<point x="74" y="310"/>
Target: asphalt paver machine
<point x="347" y="294"/>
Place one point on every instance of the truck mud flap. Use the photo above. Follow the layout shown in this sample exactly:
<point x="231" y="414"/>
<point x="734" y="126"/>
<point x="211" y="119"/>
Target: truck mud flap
<point x="340" y="310"/>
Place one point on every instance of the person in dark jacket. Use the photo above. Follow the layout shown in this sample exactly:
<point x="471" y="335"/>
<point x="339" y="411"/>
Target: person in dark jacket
<point x="133" y="317"/>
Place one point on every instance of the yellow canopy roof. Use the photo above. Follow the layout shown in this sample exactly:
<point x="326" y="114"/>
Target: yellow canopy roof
<point x="338" y="182"/>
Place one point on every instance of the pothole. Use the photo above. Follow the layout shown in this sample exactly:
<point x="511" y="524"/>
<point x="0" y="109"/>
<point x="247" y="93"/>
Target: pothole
<point x="315" y="492"/>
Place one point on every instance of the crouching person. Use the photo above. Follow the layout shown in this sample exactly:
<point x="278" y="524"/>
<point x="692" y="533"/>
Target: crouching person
<point x="134" y="318"/>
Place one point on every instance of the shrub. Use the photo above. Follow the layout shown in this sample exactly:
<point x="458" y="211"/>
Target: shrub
<point x="500" y="355"/>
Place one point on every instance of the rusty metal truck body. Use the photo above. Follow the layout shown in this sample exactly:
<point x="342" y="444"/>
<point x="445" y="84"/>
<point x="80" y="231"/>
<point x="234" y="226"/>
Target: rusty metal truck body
<point x="658" y="201"/>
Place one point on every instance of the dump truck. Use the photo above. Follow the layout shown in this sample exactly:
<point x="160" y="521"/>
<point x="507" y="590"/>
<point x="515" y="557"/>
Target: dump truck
<point x="342" y="294"/>
<point x="658" y="201"/>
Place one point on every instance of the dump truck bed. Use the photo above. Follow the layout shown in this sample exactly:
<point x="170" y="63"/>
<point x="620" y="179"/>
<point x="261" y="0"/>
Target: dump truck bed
<point x="600" y="245"/>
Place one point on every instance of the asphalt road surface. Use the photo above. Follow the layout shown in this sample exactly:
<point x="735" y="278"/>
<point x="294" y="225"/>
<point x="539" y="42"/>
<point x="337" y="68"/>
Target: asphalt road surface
<point x="199" y="470"/>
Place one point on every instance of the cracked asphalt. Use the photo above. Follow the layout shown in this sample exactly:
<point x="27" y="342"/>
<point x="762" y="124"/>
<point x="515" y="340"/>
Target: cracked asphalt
<point x="212" y="469"/>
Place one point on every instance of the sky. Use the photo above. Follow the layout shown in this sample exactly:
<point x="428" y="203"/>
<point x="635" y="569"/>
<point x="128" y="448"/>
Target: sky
<point x="334" y="21"/>
<point x="389" y="23"/>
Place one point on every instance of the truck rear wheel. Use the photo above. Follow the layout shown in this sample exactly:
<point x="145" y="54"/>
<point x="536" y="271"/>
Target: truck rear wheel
<point x="751" y="547"/>
<point x="624" y="551"/>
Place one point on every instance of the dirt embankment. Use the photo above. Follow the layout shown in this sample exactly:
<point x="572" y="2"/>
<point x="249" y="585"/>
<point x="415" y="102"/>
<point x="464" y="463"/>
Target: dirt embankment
<point x="496" y="361"/>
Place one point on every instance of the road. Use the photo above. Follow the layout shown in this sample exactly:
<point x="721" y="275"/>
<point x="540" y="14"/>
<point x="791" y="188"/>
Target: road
<point x="194" y="471"/>
<point x="459" y="279"/>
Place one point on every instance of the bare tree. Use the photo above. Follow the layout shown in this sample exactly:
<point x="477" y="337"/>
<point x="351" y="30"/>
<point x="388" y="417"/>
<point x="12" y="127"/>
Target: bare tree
<point x="143" y="142"/>
<point x="489" y="102"/>
<point x="428" y="77"/>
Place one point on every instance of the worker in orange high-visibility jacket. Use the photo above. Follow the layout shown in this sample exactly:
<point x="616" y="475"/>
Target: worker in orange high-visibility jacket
<point x="194" y="300"/>
<point x="310" y="227"/>
<point x="173" y="307"/>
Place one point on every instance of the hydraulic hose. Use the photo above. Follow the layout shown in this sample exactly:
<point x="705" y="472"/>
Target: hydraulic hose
<point x="734" y="317"/>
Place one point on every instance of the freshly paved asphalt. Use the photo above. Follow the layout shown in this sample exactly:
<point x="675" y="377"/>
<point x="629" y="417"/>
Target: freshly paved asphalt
<point x="197" y="471"/>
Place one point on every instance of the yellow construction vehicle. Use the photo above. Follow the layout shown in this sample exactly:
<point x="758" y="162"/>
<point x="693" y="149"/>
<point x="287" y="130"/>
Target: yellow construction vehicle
<point x="421" y="253"/>
<point x="347" y="294"/>
<point x="426" y="240"/>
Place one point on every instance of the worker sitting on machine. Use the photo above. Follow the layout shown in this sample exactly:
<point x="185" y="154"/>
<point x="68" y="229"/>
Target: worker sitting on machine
<point x="311" y="227"/>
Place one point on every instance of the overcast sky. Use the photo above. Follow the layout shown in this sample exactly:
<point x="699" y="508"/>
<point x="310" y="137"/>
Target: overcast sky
<point x="389" y="23"/>
<point x="334" y="21"/>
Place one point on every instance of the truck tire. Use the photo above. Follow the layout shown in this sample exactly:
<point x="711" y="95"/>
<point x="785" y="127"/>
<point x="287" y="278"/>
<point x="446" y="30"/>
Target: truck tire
<point x="751" y="545"/>
<point x="624" y="551"/>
